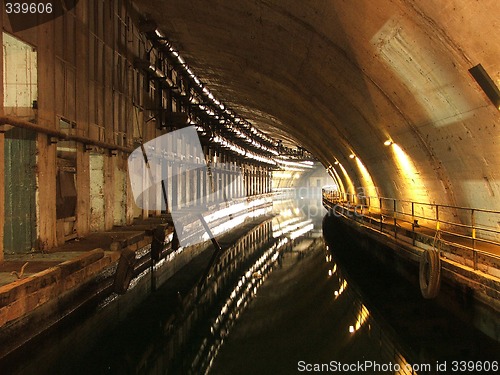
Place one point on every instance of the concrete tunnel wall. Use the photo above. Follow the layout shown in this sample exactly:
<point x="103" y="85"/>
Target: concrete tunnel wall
<point x="64" y="161"/>
<point x="342" y="77"/>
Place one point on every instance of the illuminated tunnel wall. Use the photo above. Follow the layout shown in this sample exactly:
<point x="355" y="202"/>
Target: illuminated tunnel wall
<point x="341" y="78"/>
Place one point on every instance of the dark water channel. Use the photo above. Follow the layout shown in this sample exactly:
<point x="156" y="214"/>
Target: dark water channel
<point x="290" y="295"/>
<point x="336" y="310"/>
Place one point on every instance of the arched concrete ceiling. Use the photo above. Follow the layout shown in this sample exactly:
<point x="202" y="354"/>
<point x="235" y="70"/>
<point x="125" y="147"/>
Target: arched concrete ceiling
<point x="342" y="76"/>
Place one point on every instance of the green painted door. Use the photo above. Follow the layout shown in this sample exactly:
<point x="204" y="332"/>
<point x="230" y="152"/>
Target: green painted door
<point x="20" y="191"/>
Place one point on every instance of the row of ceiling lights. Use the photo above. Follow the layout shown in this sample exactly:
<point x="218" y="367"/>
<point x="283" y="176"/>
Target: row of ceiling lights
<point x="205" y="102"/>
<point x="235" y="125"/>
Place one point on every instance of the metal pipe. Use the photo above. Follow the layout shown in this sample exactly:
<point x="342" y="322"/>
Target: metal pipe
<point x="5" y="120"/>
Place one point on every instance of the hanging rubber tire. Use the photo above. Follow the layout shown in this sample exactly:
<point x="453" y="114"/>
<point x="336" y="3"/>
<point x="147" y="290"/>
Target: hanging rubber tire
<point x="430" y="274"/>
<point x="124" y="271"/>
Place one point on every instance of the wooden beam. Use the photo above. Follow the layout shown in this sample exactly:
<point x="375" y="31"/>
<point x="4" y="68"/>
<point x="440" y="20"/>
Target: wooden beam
<point x="83" y="191"/>
<point x="46" y="162"/>
<point x="109" y="190"/>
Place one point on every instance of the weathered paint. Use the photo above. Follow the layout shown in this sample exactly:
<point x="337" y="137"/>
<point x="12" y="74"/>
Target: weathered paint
<point x="19" y="77"/>
<point x="120" y="193"/>
<point x="20" y="189"/>
<point x="96" y="192"/>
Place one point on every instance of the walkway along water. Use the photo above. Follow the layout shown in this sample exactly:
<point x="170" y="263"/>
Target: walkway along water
<point x="279" y="300"/>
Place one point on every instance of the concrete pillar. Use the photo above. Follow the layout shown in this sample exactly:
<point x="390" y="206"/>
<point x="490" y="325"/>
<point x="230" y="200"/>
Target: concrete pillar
<point x="215" y="173"/>
<point x="168" y="175"/>
<point x="249" y="180"/>
<point x="225" y="180"/>
<point x="164" y="177"/>
<point x="204" y="186"/>
<point x="209" y="176"/>
<point x="109" y="193"/>
<point x="193" y="186"/>
<point x="241" y="183"/>
<point x="233" y="181"/>
<point x="83" y="191"/>
<point x="192" y="176"/>
<point x="264" y="179"/>
<point x="261" y="181"/>
<point x="178" y="181"/>
<point x="243" y="187"/>
<point x="184" y="176"/>
<point x="46" y="192"/>
<point x="174" y="183"/>
<point x="188" y="177"/>
<point x="252" y="180"/>
<point x="156" y="167"/>
<point x="269" y="181"/>
<point x="199" y="183"/>
<point x="245" y="181"/>
<point x="257" y="180"/>
<point x="238" y="180"/>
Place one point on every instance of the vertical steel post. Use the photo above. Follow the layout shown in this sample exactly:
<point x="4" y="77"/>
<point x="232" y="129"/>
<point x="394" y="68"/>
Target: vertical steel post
<point x="381" y="221"/>
<point x="437" y="218"/>
<point x="394" y="218"/>
<point x="473" y="225"/>
<point x="413" y="222"/>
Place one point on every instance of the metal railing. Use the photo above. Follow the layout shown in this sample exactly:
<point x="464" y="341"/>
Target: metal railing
<point x="469" y="232"/>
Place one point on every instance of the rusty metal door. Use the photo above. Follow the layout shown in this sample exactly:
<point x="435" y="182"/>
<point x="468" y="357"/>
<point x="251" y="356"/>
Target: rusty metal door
<point x="20" y="191"/>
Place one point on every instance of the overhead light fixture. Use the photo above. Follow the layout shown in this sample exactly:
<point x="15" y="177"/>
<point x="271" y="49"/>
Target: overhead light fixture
<point x="388" y="142"/>
<point x="336" y="162"/>
<point x="352" y="156"/>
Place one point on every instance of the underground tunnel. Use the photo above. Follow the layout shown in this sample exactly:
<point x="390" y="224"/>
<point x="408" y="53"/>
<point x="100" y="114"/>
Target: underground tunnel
<point x="271" y="187"/>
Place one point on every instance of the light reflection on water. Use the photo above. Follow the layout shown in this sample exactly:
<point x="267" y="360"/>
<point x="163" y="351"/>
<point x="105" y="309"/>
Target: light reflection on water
<point x="194" y="338"/>
<point x="337" y="315"/>
<point x="284" y="234"/>
<point x="280" y="270"/>
<point x="192" y="333"/>
<point x="390" y="351"/>
<point x="241" y="295"/>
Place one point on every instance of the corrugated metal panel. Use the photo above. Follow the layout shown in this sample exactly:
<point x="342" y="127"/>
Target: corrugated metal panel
<point x="20" y="191"/>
